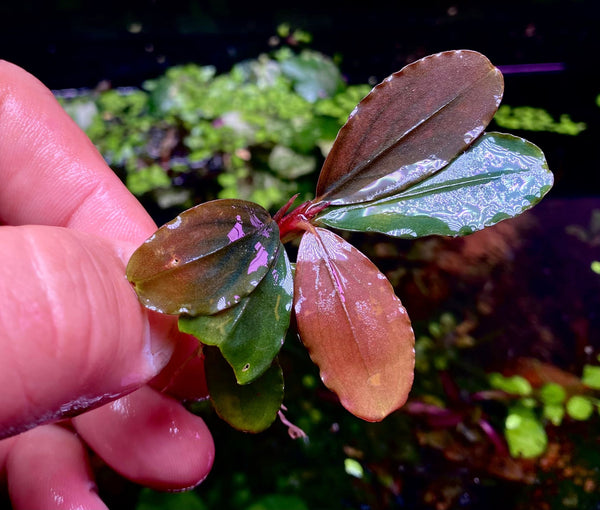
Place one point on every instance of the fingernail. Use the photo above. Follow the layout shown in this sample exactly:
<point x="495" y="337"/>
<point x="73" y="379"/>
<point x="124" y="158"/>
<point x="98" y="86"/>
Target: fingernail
<point x="162" y="336"/>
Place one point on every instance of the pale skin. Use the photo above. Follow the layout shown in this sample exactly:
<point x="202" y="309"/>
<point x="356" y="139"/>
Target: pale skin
<point x="74" y="340"/>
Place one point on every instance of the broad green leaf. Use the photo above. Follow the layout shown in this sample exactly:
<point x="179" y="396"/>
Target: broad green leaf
<point x="205" y="260"/>
<point x="353" y="326"/>
<point x="555" y="413"/>
<point x="250" y="407"/>
<point x="314" y="75"/>
<point x="147" y="178"/>
<point x="410" y="126"/>
<point x="524" y="433"/>
<point x="579" y="407"/>
<point x="497" y="178"/>
<point x="552" y="394"/>
<point x="591" y="376"/>
<point x="250" y="333"/>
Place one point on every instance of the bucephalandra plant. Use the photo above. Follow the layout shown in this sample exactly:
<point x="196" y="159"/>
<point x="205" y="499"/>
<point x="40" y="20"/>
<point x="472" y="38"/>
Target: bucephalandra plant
<point x="412" y="160"/>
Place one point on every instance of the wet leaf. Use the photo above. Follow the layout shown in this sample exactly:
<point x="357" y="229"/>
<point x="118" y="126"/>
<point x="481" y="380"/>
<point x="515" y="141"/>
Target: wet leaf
<point x="410" y="126"/>
<point x="353" y="326"/>
<point x="497" y="178"/>
<point x="250" y="407"/>
<point x="250" y="334"/>
<point x="205" y="260"/>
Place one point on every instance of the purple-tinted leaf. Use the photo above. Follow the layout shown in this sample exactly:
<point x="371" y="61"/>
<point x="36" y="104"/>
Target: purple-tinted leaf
<point x="410" y="126"/>
<point x="250" y="334"/>
<point x="205" y="260"/>
<point x="353" y="325"/>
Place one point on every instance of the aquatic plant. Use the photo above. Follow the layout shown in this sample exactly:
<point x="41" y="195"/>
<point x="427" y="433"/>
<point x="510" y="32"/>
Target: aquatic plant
<point x="412" y="160"/>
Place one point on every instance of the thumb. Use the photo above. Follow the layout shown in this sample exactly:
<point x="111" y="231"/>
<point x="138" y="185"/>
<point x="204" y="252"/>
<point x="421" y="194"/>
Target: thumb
<point x="73" y="334"/>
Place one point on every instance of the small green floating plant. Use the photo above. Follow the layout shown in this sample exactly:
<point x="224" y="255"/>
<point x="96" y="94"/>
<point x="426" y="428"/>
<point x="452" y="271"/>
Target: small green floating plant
<point x="412" y="160"/>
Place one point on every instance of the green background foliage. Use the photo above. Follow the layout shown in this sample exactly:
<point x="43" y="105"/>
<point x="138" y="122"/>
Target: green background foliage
<point x="258" y="132"/>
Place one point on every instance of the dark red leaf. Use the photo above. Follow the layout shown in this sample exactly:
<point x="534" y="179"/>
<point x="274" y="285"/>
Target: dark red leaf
<point x="411" y="125"/>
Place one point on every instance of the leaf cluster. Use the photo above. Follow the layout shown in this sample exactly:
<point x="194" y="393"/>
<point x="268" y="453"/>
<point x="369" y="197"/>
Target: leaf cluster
<point x="529" y="118"/>
<point x="517" y="413"/>
<point x="411" y="160"/>
<point x="530" y="409"/>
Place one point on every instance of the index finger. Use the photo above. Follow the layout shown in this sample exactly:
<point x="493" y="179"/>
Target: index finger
<point x="50" y="172"/>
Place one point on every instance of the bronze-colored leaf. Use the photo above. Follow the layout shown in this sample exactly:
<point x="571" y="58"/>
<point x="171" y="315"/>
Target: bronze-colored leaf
<point x="410" y="126"/>
<point x="353" y="325"/>
<point x="205" y="260"/>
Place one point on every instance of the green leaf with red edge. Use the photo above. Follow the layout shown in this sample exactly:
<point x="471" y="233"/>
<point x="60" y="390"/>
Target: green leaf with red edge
<point x="205" y="260"/>
<point x="353" y="326"/>
<point x="251" y="333"/>
<point x="498" y="177"/>
<point x="410" y="126"/>
<point x="250" y="407"/>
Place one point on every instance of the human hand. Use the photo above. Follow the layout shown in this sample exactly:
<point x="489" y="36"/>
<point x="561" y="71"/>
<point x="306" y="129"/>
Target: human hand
<point x="73" y="334"/>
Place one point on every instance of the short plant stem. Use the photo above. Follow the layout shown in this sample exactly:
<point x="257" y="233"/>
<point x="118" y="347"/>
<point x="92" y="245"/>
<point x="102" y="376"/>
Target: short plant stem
<point x="294" y="431"/>
<point x="293" y="224"/>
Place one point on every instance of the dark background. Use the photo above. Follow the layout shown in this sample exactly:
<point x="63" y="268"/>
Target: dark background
<point x="74" y="43"/>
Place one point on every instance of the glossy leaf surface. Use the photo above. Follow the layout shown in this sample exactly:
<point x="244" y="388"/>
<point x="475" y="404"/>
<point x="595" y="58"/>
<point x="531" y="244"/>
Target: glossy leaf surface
<point x="353" y="326"/>
<point x="411" y="125"/>
<point x="250" y="334"/>
<point x="250" y="407"/>
<point x="206" y="260"/>
<point x="499" y="177"/>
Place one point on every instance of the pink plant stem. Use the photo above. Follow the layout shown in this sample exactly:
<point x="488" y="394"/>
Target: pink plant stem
<point x="293" y="224"/>
<point x="494" y="437"/>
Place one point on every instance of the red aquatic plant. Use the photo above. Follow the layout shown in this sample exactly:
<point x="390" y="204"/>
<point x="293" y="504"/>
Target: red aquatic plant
<point x="412" y="160"/>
